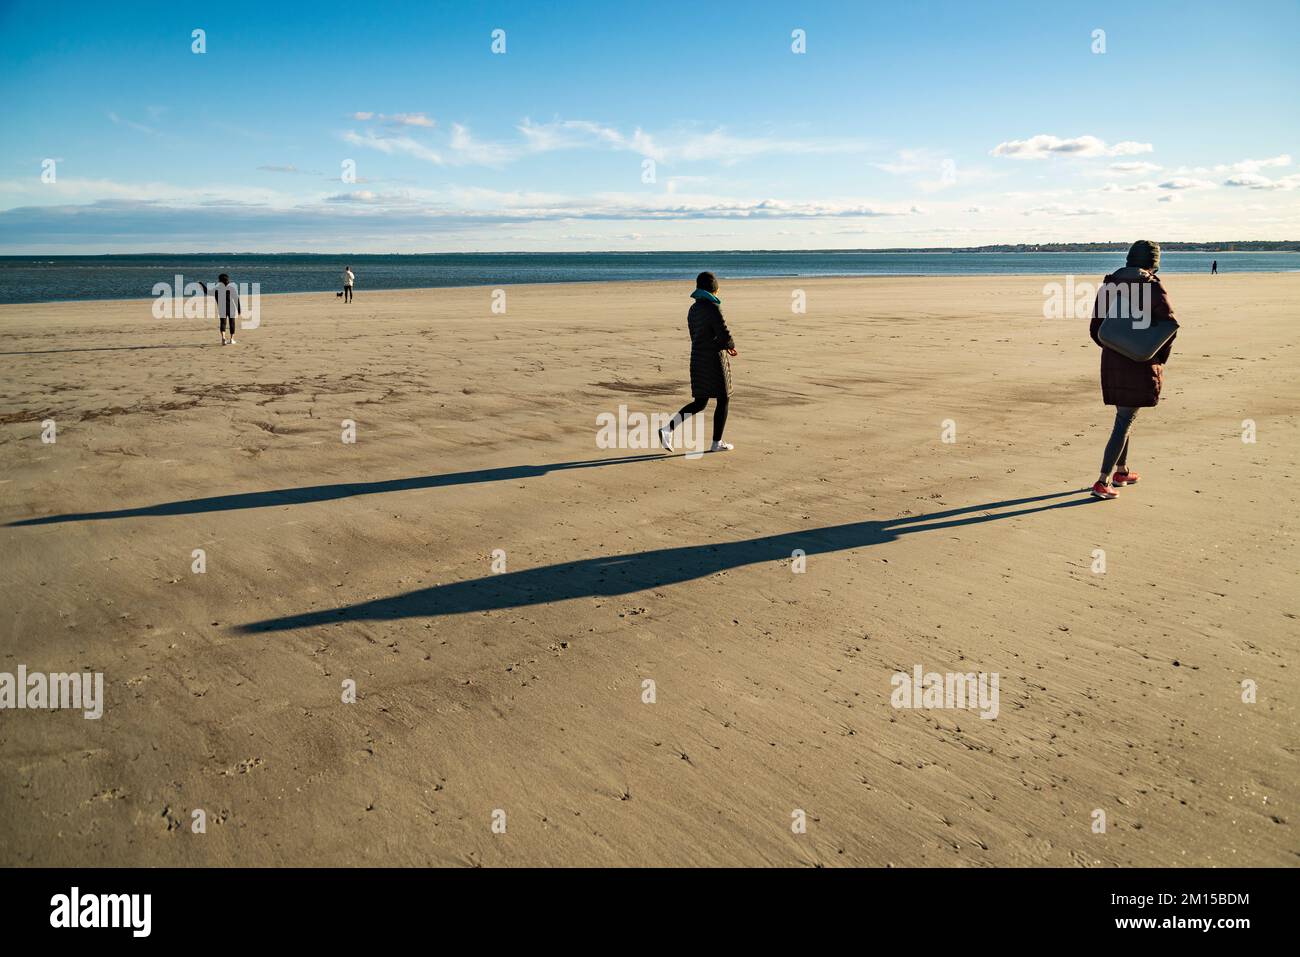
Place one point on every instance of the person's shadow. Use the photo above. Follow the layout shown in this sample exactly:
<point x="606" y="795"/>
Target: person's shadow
<point x="325" y="493"/>
<point x="641" y="571"/>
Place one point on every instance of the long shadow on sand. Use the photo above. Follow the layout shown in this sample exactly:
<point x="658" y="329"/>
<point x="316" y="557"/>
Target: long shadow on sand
<point x="327" y="493"/>
<point x="45" y="352"/>
<point x="640" y="571"/>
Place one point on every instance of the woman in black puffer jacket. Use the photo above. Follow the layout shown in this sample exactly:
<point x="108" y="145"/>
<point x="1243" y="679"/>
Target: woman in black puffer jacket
<point x="711" y="344"/>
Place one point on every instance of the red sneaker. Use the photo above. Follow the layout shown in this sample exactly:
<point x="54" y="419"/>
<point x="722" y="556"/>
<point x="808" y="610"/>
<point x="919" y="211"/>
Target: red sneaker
<point x="1124" y="478"/>
<point x="1101" y="490"/>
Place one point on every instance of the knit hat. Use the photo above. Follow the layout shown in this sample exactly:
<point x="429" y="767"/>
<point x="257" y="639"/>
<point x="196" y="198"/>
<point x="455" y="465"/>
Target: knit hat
<point x="1144" y="254"/>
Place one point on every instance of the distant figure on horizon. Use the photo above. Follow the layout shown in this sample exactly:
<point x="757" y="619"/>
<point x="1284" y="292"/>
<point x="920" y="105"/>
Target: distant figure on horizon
<point x="710" y="367"/>
<point x="227" y="297"/>
<point x="347" y="283"/>
<point x="1214" y="268"/>
<point x="1125" y="383"/>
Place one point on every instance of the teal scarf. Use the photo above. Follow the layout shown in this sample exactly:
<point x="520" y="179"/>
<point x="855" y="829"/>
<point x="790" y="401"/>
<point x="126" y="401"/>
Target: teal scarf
<point x="704" y="294"/>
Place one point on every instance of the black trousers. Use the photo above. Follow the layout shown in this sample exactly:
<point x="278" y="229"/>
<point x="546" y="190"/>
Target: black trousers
<point x="697" y="405"/>
<point x="347" y="293"/>
<point x="228" y="322"/>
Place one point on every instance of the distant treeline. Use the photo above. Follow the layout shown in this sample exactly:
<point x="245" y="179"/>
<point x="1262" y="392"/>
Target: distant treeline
<point x="1248" y="246"/>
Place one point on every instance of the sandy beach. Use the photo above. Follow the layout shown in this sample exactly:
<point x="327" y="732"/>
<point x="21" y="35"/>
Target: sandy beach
<point x="501" y="589"/>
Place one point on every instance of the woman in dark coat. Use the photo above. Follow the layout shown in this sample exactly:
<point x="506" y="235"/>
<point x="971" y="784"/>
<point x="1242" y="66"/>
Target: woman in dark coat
<point x="1126" y="384"/>
<point x="711" y="343"/>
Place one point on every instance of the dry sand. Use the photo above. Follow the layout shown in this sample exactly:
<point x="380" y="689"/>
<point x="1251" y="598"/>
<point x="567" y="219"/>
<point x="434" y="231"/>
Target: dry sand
<point x="523" y="692"/>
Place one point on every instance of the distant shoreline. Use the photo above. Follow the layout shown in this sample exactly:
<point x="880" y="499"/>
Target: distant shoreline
<point x="1255" y="247"/>
<point x="115" y="278"/>
<point x="362" y="294"/>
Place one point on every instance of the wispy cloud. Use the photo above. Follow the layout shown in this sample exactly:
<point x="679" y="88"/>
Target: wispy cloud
<point x="1060" y="209"/>
<point x="931" y="171"/>
<point x="1129" y="188"/>
<point x="393" y="119"/>
<point x="290" y="169"/>
<point x="407" y="119"/>
<point x="467" y="150"/>
<point x="1137" y="166"/>
<point x="587" y="134"/>
<point x="73" y="189"/>
<point x="463" y="148"/>
<point x="413" y="210"/>
<point x="131" y="124"/>
<point x="1187" y="182"/>
<point x="724" y="147"/>
<point x="393" y="145"/>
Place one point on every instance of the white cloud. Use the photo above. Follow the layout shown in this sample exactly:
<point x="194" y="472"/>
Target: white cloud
<point x="1045" y="145"/>
<point x="1251" y="181"/>
<point x="1134" y="167"/>
<point x="1059" y="209"/>
<point x="1128" y="188"/>
<point x="364" y="196"/>
<point x="408" y="119"/>
<point x="1256" y="181"/>
<point x="1241" y="167"/>
<point x="1184" y="182"/>
<point x="1254" y="166"/>
<point x="71" y="189"/>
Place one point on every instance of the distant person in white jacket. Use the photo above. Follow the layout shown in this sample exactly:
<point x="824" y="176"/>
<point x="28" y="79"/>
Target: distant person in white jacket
<point x="348" y="279"/>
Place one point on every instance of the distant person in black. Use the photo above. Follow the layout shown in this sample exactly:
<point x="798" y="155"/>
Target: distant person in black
<point x="227" y="297"/>
<point x="1214" y="268"/>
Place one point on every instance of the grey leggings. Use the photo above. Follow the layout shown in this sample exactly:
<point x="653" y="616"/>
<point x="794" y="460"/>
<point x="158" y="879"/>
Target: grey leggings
<point x="1116" y="453"/>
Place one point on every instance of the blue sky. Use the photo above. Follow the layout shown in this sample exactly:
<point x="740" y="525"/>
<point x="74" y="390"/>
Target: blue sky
<point x="644" y="126"/>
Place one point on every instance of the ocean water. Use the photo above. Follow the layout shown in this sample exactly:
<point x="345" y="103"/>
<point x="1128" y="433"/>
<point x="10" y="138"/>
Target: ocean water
<point x="64" y="278"/>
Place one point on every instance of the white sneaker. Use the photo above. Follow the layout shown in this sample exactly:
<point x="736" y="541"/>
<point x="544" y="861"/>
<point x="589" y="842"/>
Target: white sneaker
<point x="666" y="439"/>
<point x="232" y="342"/>
<point x="721" y="447"/>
